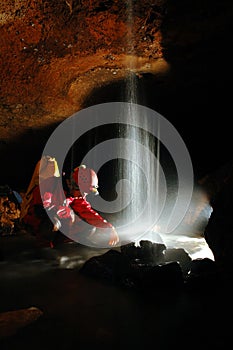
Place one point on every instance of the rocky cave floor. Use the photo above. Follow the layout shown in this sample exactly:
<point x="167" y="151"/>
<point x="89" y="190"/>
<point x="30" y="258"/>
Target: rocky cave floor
<point x="89" y="297"/>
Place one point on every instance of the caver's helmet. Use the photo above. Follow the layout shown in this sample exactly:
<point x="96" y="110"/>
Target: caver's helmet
<point x="85" y="179"/>
<point x="48" y="167"/>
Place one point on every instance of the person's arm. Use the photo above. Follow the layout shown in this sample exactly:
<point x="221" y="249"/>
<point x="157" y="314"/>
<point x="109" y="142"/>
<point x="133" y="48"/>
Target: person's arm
<point x="84" y="210"/>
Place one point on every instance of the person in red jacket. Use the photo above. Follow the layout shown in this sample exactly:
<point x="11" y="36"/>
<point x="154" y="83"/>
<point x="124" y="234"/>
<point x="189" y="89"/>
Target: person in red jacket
<point x="84" y="221"/>
<point x="54" y="216"/>
<point x="44" y="194"/>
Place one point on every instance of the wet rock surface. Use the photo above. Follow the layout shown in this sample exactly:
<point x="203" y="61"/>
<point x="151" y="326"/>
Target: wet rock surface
<point x="142" y="268"/>
<point x="12" y="321"/>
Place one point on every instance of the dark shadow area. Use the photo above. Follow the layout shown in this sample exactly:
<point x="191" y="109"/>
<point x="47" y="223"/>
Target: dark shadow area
<point x="197" y="43"/>
<point x="18" y="158"/>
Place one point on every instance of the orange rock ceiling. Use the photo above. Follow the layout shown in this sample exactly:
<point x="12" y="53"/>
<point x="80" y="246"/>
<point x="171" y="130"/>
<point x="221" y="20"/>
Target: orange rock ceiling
<point x="53" y="53"/>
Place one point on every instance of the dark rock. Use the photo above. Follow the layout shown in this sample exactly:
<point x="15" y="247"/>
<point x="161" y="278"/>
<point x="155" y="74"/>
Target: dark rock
<point x="152" y="252"/>
<point x="12" y="321"/>
<point x="219" y="229"/>
<point x="203" y="273"/>
<point x="147" y="252"/>
<point x="112" y="267"/>
<point x="130" y="250"/>
<point x="159" y="276"/>
<point x="116" y="268"/>
<point x="179" y="255"/>
<point x="202" y="267"/>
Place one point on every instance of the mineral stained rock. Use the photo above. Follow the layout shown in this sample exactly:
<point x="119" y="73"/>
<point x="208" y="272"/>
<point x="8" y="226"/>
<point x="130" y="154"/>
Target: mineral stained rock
<point x="12" y="321"/>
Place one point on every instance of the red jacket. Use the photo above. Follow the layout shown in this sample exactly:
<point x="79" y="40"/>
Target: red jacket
<point x="51" y="196"/>
<point x="47" y="195"/>
<point x="85" y="212"/>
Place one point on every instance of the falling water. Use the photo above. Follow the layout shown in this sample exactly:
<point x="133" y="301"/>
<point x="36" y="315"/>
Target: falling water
<point x="140" y="168"/>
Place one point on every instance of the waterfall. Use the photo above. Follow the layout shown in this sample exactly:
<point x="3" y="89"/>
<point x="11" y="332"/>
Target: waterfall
<point x="140" y="170"/>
